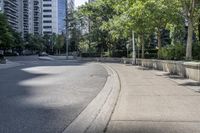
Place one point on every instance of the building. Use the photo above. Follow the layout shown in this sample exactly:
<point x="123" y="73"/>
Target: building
<point x="31" y="18"/>
<point x="10" y="9"/>
<point x="61" y="16"/>
<point x="1" y="5"/>
<point x="23" y="16"/>
<point x="62" y="9"/>
<point x="49" y="16"/>
<point x="91" y="0"/>
<point x="37" y="16"/>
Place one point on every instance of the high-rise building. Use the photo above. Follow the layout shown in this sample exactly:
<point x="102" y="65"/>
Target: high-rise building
<point x="50" y="16"/>
<point x="31" y="17"/>
<point x="91" y="0"/>
<point x="10" y="9"/>
<point x="1" y="5"/>
<point x="61" y="16"/>
<point x="24" y="16"/>
<point x="37" y="16"/>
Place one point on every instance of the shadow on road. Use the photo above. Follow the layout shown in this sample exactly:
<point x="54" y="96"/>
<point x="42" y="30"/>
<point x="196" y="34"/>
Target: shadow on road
<point x="30" y="103"/>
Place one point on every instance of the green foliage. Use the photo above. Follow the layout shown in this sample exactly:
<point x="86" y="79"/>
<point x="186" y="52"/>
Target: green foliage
<point x="172" y="52"/>
<point x="196" y="51"/>
<point x="6" y="36"/>
<point x="60" y="41"/>
<point x="85" y="47"/>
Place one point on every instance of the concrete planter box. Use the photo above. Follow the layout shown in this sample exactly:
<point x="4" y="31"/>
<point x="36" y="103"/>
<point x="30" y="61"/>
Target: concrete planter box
<point x="192" y="70"/>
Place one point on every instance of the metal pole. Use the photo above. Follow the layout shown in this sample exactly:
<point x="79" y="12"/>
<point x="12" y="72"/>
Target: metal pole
<point x="134" y="52"/>
<point x="67" y="31"/>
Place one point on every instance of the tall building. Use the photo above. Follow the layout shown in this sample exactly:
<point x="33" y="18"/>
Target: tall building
<point x="50" y="16"/>
<point x="31" y="17"/>
<point x="1" y="5"/>
<point x="10" y="9"/>
<point x="91" y="0"/>
<point x="37" y="16"/>
<point x="61" y="16"/>
<point x="24" y="16"/>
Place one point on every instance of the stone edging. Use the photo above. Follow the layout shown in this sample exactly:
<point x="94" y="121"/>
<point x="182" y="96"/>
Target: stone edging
<point x="96" y="115"/>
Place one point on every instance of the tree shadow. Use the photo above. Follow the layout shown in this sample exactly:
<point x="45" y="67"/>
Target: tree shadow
<point x="24" y="110"/>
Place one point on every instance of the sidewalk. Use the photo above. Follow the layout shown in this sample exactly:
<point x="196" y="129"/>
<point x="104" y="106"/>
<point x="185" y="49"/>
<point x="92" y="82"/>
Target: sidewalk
<point x="152" y="103"/>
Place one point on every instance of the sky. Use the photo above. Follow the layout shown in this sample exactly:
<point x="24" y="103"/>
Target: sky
<point x="79" y="2"/>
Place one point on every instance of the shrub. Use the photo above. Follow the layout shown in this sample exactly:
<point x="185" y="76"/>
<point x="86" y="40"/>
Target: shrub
<point x="90" y="55"/>
<point x="196" y="51"/>
<point x="172" y="52"/>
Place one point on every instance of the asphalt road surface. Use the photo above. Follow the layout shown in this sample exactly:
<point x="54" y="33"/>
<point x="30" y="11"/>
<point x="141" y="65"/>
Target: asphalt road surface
<point x="46" y="96"/>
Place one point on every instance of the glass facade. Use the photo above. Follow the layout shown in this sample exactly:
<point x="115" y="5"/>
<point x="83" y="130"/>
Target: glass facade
<point x="61" y="16"/>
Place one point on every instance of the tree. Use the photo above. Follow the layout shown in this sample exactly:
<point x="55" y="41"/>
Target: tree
<point x="60" y="41"/>
<point x="6" y="37"/>
<point x="191" y="13"/>
<point x="95" y="14"/>
<point x="161" y="13"/>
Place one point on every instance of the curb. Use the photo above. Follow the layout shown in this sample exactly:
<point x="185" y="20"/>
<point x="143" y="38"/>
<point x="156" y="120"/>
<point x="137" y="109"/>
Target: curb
<point x="95" y="117"/>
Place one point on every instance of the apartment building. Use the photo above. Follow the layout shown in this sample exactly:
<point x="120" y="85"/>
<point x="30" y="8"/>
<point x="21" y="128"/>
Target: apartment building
<point x="10" y="9"/>
<point x="1" y="5"/>
<point x="23" y="16"/>
<point x="49" y="16"/>
<point x="31" y="17"/>
<point x="37" y="16"/>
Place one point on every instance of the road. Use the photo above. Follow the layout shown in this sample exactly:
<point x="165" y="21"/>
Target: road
<point x="46" y="96"/>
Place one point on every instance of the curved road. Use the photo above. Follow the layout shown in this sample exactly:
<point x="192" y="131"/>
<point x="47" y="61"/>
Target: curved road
<point x="46" y="96"/>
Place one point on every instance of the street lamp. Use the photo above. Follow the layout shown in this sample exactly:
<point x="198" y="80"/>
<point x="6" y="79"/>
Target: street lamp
<point x="67" y="31"/>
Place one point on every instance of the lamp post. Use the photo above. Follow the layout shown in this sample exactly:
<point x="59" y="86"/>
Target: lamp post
<point x="67" y="31"/>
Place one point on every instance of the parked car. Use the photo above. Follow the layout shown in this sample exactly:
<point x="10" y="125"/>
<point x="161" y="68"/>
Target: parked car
<point x="43" y="54"/>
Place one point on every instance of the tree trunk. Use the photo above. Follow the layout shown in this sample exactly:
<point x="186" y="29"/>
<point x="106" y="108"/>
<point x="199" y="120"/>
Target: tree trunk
<point x="142" y="44"/>
<point x="59" y="51"/>
<point x="159" y="42"/>
<point x="189" y="40"/>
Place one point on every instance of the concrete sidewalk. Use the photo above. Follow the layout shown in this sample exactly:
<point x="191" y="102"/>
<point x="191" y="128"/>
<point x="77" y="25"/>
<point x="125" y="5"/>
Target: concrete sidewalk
<point x="151" y="103"/>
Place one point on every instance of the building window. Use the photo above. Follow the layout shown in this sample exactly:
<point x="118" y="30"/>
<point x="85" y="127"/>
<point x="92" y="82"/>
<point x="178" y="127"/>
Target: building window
<point x="47" y="10"/>
<point x="47" y="21"/>
<point x="47" y="27"/>
<point x="46" y="5"/>
<point x="47" y="16"/>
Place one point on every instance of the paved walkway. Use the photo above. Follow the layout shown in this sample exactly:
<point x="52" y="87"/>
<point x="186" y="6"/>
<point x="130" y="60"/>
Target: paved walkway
<point x="151" y="103"/>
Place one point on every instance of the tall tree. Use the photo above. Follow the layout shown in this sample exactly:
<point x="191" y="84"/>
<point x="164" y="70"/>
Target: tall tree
<point x="191" y="13"/>
<point x="6" y="37"/>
